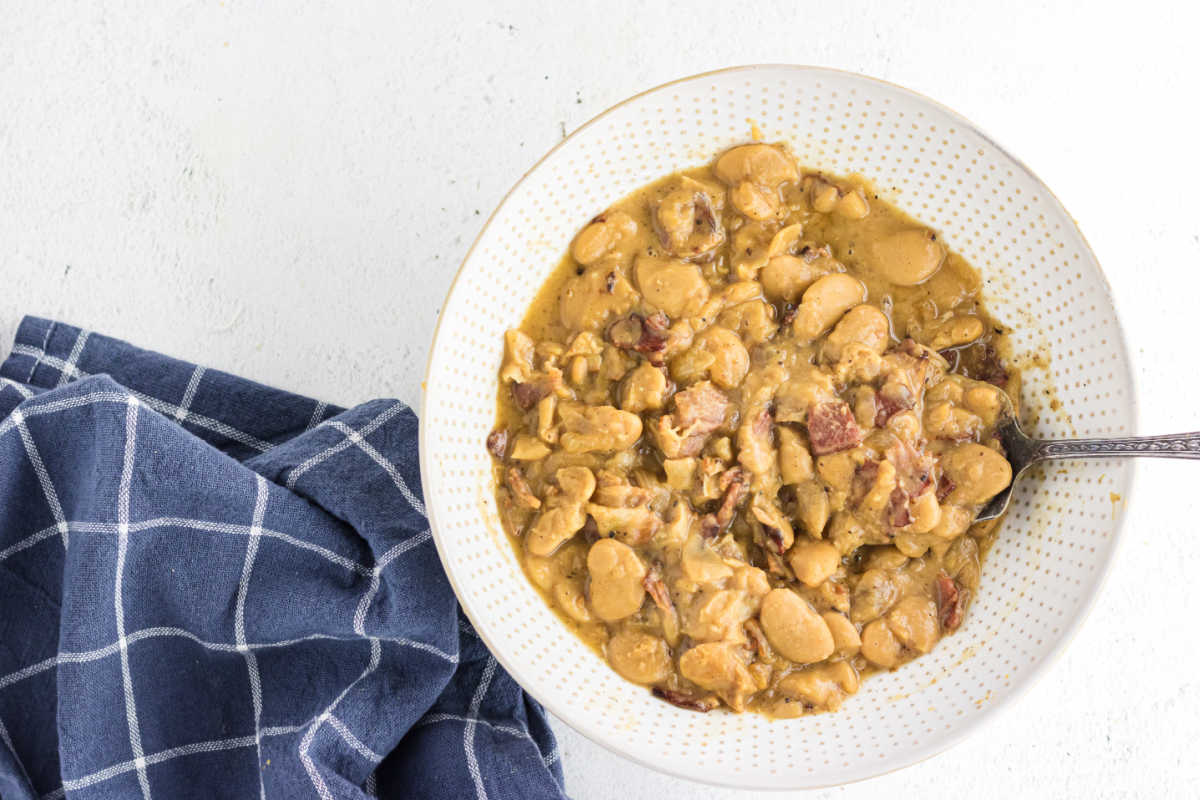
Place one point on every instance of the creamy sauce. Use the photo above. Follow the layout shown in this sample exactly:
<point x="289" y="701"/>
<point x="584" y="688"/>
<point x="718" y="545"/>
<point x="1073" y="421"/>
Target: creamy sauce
<point x="743" y="433"/>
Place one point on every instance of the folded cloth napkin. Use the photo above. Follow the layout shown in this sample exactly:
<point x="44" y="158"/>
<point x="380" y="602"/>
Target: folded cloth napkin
<point x="213" y="589"/>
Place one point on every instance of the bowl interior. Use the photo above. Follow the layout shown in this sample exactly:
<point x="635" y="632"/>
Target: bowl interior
<point x="1041" y="278"/>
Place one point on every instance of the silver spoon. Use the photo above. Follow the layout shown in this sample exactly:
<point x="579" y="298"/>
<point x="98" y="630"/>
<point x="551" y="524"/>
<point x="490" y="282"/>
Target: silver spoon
<point x="1023" y="452"/>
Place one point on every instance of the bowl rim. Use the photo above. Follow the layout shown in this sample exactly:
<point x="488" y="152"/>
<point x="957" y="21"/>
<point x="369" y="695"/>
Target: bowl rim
<point x="1020" y="687"/>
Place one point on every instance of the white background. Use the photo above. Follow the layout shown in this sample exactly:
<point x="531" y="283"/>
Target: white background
<point x="284" y="190"/>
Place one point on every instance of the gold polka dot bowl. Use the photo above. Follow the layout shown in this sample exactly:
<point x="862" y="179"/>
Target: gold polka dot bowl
<point x="1041" y="278"/>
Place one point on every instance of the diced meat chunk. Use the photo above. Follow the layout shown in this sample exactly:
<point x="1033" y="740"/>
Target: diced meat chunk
<point x="672" y="443"/>
<point x="734" y="483"/>
<point x="684" y="700"/>
<point x="657" y="589"/>
<point x="497" y="442"/>
<point x="914" y="470"/>
<point x="528" y="394"/>
<point x="951" y="602"/>
<point x="891" y="399"/>
<point x="699" y="410"/>
<point x="832" y="428"/>
<point x="521" y="493"/>
<point x="777" y="530"/>
<point x="898" y="512"/>
<point x="991" y="368"/>
<point x="645" y="335"/>
<point x="865" y="476"/>
<point x="944" y="487"/>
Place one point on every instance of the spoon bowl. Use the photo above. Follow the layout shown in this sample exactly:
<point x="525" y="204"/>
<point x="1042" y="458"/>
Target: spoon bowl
<point x="1023" y="451"/>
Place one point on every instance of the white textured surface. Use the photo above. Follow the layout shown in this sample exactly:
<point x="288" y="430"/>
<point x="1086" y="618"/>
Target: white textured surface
<point x="285" y="191"/>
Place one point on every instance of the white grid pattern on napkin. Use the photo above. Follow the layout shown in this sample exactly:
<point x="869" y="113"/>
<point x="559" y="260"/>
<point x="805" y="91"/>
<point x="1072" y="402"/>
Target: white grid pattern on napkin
<point x="167" y="409"/>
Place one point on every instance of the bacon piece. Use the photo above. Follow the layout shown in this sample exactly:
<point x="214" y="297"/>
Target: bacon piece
<point x="701" y="704"/>
<point x="951" y="601"/>
<point x="831" y="428"/>
<point x="705" y="214"/>
<point x="520" y="489"/>
<point x="891" y="400"/>
<point x="625" y="333"/>
<point x="700" y="409"/>
<point x="757" y="640"/>
<point x="730" y="477"/>
<point x="672" y="443"/>
<point x="645" y="335"/>
<point x="709" y="527"/>
<point x="733" y="482"/>
<point x="763" y="557"/>
<point x="863" y="480"/>
<point x="657" y="589"/>
<point x="590" y="530"/>
<point x="944" y="487"/>
<point x="527" y="395"/>
<point x="914" y="470"/>
<point x="777" y="530"/>
<point x="810" y="253"/>
<point x="991" y="368"/>
<point x="898" y="513"/>
<point x="655" y="327"/>
<point x="497" y="442"/>
<point x="775" y="537"/>
<point x="910" y="347"/>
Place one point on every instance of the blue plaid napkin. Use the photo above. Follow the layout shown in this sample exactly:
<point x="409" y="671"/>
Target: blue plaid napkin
<point x="213" y="589"/>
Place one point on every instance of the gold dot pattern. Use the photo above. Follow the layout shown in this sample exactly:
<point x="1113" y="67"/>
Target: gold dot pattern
<point x="1040" y="277"/>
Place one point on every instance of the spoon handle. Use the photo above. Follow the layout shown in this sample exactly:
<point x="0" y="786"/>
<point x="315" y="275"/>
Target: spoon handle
<point x="1171" y="445"/>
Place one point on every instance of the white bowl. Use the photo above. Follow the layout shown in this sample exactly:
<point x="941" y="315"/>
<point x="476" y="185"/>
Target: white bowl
<point x="1040" y="579"/>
